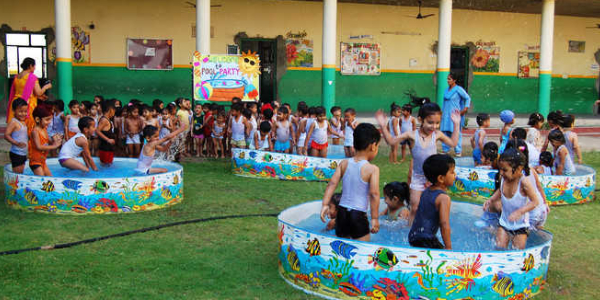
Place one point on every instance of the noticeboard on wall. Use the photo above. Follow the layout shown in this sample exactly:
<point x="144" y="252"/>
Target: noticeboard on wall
<point x="360" y="59"/>
<point x="149" y="54"/>
<point x="529" y="64"/>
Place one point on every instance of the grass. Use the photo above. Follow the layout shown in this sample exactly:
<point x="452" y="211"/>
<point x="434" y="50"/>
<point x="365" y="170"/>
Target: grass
<point x="226" y="259"/>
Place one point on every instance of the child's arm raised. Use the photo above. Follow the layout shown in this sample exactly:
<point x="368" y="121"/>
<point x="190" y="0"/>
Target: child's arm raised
<point x="12" y="126"/>
<point x="451" y="141"/>
<point x="85" y="154"/>
<point x="38" y="144"/>
<point x="331" y="186"/>
<point x="374" y="197"/>
<point x="443" y="204"/>
<point x="392" y="141"/>
<point x="529" y="191"/>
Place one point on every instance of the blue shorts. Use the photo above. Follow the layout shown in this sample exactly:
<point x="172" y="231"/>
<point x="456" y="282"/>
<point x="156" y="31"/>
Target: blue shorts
<point x="477" y="156"/>
<point x="281" y="146"/>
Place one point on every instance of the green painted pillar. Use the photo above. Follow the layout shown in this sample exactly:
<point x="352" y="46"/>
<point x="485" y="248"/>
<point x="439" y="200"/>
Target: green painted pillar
<point x="545" y="84"/>
<point x="546" y="53"/>
<point x="442" y="85"/>
<point x="329" y="54"/>
<point x="64" y="63"/>
<point x="64" y="70"/>
<point x="328" y="88"/>
<point x="443" y="50"/>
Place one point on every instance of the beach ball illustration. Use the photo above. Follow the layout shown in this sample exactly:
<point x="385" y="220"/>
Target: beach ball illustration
<point x="204" y="90"/>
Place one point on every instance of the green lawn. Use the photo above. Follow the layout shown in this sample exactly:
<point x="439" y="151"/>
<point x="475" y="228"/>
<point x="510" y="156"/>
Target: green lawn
<point x="226" y="259"/>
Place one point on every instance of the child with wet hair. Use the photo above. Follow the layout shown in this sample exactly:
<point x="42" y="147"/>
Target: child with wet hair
<point x="153" y="142"/>
<point x="397" y="199"/>
<point x="333" y="208"/>
<point x="489" y="156"/>
<point x="546" y="161"/>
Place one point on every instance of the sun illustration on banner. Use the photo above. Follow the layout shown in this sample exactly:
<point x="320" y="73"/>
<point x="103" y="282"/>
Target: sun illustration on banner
<point x="250" y="64"/>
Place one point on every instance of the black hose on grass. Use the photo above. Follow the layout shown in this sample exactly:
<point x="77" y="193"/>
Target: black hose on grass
<point x="96" y="239"/>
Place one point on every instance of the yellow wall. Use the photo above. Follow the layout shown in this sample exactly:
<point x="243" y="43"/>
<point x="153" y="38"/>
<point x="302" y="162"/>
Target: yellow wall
<point x="117" y="20"/>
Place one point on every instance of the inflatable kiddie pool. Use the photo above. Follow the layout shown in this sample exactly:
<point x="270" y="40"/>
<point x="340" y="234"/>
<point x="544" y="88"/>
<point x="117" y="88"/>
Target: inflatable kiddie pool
<point x="478" y="183"/>
<point x="267" y="164"/>
<point x="322" y="264"/>
<point x="115" y="189"/>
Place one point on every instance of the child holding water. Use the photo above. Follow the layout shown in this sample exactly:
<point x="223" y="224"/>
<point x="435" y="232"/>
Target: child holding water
<point x="397" y="199"/>
<point x="514" y="199"/>
<point x="423" y="144"/>
<point x="79" y="145"/>
<point x="360" y="186"/>
<point x="16" y="134"/>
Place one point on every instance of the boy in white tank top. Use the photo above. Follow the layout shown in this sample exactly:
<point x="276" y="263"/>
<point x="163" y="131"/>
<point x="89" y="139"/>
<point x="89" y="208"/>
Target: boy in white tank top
<point x="239" y="127"/>
<point x="283" y="130"/>
<point x="360" y="188"/>
<point x="317" y="134"/>
<point x="79" y="145"/>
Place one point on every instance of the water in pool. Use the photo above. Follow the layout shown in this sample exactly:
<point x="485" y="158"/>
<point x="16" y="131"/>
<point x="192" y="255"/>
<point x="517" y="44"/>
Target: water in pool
<point x="120" y="168"/>
<point x="466" y="236"/>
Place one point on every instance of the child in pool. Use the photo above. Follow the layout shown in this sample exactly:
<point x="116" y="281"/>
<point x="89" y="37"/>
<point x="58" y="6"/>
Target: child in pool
<point x="153" y="142"/>
<point x="423" y="144"/>
<point x="545" y="166"/>
<point x="72" y="120"/>
<point x="133" y="127"/>
<point x="508" y="118"/>
<point x="40" y="143"/>
<point x="397" y="197"/>
<point x="334" y="205"/>
<point x="16" y="134"/>
<point x="532" y="152"/>
<point x="408" y="124"/>
<point x="318" y="131"/>
<point x="106" y="133"/>
<point x="336" y="125"/>
<point x="563" y="164"/>
<point x="394" y="127"/>
<point x="360" y="186"/>
<point x="536" y="121"/>
<point x="433" y="213"/>
<point x="514" y="199"/>
<point x="489" y="156"/>
<point x="350" y="124"/>
<point x="555" y="121"/>
<point x="262" y="138"/>
<point x="283" y="130"/>
<point x="217" y="134"/>
<point x="480" y="138"/>
<point x="571" y="140"/>
<point x="79" y="145"/>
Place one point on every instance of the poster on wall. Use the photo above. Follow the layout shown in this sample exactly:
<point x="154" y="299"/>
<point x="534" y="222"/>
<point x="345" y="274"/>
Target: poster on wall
<point x="360" y="59"/>
<point x="486" y="58"/>
<point x="299" y="52"/>
<point x="223" y="77"/>
<point x="80" y="47"/>
<point x="529" y="64"/>
<point x="577" y="46"/>
<point x="149" y="54"/>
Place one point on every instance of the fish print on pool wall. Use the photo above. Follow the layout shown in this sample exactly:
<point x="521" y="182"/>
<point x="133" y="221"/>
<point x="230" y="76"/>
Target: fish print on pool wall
<point x="478" y="184"/>
<point x="264" y="164"/>
<point x="92" y="195"/>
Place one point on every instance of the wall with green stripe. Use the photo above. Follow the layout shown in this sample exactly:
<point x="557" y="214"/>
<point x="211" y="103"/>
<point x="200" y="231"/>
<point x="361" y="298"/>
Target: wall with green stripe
<point x="365" y="93"/>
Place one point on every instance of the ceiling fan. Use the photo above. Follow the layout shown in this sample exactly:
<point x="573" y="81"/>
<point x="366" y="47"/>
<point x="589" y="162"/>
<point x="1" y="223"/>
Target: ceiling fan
<point x="597" y="27"/>
<point x="194" y="4"/>
<point x="420" y="16"/>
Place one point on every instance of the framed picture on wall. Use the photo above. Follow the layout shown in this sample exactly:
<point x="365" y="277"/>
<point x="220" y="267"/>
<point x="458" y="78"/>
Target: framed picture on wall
<point x="577" y="46"/>
<point x="149" y="54"/>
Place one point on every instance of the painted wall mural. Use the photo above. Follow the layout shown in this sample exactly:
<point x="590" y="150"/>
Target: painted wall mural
<point x="486" y="58"/>
<point x="223" y="77"/>
<point x="265" y="164"/>
<point x="478" y="184"/>
<point x="299" y="53"/>
<point x="360" y="59"/>
<point x="338" y="268"/>
<point x="61" y="195"/>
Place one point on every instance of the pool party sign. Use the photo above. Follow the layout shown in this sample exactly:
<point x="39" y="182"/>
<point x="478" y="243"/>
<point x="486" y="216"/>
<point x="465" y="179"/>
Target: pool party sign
<point x="220" y="78"/>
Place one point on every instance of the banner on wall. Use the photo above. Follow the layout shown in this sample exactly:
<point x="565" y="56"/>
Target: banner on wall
<point x="360" y="59"/>
<point x="299" y="52"/>
<point x="486" y="58"/>
<point x="223" y="77"/>
<point x="80" y="47"/>
<point x="529" y="64"/>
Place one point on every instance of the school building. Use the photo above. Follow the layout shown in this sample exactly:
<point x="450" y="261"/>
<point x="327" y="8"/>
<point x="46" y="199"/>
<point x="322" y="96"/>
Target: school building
<point x="524" y="55"/>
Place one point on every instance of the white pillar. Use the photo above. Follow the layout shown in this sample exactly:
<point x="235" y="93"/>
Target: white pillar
<point x="443" y="50"/>
<point x="546" y="47"/>
<point x="64" y="64"/>
<point x="203" y="26"/>
<point x="329" y="53"/>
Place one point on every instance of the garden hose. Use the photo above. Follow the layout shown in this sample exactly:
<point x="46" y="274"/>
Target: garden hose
<point x="96" y="239"/>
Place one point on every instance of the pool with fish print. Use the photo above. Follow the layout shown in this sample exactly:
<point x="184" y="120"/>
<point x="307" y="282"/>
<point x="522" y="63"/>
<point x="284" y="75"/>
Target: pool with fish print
<point x="273" y="165"/>
<point x="117" y="191"/>
<point x="478" y="184"/>
<point x="319" y="263"/>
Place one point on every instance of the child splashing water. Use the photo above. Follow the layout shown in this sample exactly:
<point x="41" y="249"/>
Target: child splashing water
<point x="360" y="187"/>
<point x="423" y="144"/>
<point x="394" y="127"/>
<point x="153" y="142"/>
<point x="397" y="199"/>
<point x="515" y="199"/>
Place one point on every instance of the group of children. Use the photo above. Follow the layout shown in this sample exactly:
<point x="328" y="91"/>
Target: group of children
<point x="517" y="205"/>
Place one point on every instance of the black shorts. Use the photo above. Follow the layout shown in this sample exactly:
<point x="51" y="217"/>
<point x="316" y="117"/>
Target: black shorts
<point x="431" y="243"/>
<point x="351" y="223"/>
<point x="523" y="230"/>
<point x="17" y="160"/>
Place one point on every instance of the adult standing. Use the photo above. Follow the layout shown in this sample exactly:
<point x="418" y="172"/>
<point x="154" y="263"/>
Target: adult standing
<point x="27" y="87"/>
<point x="455" y="98"/>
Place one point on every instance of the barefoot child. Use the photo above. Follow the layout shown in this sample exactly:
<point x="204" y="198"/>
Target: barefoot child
<point x="197" y="130"/>
<point x="360" y="187"/>
<point x="79" y="145"/>
<point x="153" y="142"/>
<point x="239" y="127"/>
<point x="397" y="199"/>
<point x="433" y="213"/>
<point x="72" y="120"/>
<point x="106" y="133"/>
<point x="394" y="127"/>
<point x="562" y="160"/>
<point x="515" y="198"/>
<point x="349" y="125"/>
<point x="318" y="131"/>
<point x="479" y="138"/>
<point x="336" y="125"/>
<point x="283" y="130"/>
<point x="16" y="134"/>
<point x="262" y="138"/>
<point x="408" y="124"/>
<point x="40" y="143"/>
<point x="217" y="134"/>
<point x="301" y="133"/>
<point x="423" y="144"/>
<point x="133" y="127"/>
